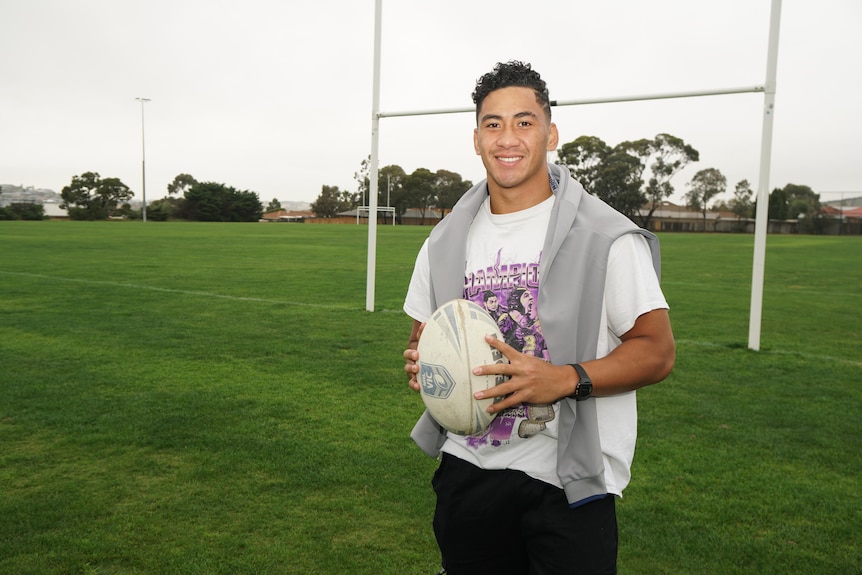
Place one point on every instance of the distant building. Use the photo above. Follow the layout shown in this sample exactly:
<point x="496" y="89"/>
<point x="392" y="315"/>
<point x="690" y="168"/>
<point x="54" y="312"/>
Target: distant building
<point x="10" y="194"/>
<point x="287" y="216"/>
<point x="53" y="211"/>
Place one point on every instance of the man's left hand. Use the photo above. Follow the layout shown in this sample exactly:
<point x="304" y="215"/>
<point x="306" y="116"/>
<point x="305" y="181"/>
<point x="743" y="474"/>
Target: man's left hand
<point x="531" y="380"/>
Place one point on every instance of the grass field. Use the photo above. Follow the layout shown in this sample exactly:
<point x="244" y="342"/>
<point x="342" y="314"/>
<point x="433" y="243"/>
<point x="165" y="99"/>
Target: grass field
<point x="213" y="398"/>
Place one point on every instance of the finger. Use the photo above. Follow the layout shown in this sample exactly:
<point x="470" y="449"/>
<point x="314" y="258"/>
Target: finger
<point x="413" y="383"/>
<point x="505" y="403"/>
<point x="498" y="407"/>
<point x="499" y="390"/>
<point x="502" y="346"/>
<point x="411" y="369"/>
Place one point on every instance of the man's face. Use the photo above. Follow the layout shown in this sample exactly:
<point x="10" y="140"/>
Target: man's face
<point x="527" y="303"/>
<point x="513" y="138"/>
<point x="491" y="303"/>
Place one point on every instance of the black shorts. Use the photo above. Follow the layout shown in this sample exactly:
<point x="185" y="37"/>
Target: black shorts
<point x="503" y="521"/>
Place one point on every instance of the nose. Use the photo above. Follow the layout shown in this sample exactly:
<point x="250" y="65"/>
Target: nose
<point x="506" y="137"/>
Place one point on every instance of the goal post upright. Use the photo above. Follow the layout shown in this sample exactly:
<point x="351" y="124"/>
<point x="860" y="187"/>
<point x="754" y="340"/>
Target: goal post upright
<point x="761" y="217"/>
<point x="372" y="169"/>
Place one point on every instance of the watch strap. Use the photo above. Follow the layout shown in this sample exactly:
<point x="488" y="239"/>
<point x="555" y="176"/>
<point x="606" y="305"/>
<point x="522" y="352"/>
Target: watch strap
<point x="584" y="387"/>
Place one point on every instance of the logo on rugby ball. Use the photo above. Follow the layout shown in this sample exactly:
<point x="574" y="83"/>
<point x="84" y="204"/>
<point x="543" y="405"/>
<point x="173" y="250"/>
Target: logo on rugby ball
<point x="436" y="381"/>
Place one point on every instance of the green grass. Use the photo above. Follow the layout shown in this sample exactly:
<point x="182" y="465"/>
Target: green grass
<point x="213" y="398"/>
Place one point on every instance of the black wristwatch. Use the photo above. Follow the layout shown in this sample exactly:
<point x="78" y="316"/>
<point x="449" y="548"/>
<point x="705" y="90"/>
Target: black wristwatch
<point x="584" y="387"/>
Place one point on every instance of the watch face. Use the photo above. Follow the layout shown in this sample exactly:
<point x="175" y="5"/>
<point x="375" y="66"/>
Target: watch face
<point x="584" y="387"/>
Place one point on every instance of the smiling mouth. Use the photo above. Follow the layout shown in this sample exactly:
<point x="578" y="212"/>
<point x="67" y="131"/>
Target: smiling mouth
<point x="509" y="160"/>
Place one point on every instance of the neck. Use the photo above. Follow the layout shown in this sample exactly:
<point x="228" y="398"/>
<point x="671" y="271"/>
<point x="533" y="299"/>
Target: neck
<point x="509" y="200"/>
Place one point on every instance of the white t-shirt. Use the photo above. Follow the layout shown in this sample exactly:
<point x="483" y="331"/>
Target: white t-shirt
<point x="502" y="273"/>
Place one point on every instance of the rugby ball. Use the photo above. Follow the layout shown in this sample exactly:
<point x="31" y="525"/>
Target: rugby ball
<point x="451" y="345"/>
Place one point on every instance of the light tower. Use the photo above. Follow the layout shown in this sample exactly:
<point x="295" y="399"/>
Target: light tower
<point x="143" y="161"/>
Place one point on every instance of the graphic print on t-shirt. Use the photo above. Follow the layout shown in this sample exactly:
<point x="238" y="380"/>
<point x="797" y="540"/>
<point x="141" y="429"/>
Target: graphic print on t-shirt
<point x="509" y="293"/>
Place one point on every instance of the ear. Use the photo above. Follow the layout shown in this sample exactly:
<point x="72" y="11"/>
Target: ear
<point x="476" y="141"/>
<point x="553" y="137"/>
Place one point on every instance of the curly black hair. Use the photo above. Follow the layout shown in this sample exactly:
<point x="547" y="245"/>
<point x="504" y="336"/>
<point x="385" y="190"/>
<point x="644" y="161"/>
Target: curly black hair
<point x="512" y="73"/>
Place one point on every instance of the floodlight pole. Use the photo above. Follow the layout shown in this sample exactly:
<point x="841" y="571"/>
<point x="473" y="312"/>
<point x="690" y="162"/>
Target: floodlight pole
<point x="372" y="179"/>
<point x="143" y="161"/>
<point x="761" y="217"/>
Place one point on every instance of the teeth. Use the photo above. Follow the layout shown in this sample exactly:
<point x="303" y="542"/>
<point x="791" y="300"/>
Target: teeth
<point x="508" y="160"/>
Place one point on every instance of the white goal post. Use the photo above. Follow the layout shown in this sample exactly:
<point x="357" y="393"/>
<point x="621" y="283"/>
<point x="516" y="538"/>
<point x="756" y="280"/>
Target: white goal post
<point x="768" y="89"/>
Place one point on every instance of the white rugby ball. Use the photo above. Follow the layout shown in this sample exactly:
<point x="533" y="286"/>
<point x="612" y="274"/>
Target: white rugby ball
<point x="451" y="345"/>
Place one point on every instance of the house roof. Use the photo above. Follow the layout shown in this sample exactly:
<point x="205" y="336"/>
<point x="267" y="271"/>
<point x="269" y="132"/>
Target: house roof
<point x="286" y="214"/>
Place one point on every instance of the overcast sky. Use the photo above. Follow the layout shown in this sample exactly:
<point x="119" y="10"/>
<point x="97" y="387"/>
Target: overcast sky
<point x="274" y="96"/>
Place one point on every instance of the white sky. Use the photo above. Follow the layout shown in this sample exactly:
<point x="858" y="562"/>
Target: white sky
<point x="274" y="96"/>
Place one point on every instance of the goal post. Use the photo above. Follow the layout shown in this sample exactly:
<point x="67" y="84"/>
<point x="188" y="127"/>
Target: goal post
<point x="768" y="89"/>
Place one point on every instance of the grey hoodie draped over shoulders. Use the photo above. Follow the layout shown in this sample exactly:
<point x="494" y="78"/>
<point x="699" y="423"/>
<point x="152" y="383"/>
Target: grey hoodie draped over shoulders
<point x="572" y="276"/>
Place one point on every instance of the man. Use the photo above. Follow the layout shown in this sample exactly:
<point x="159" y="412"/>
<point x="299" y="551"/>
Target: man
<point x="491" y="305"/>
<point x="535" y="493"/>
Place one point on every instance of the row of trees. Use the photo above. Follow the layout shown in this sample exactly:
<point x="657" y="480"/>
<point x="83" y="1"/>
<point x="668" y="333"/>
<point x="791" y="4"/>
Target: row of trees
<point x="422" y="189"/>
<point x="634" y="177"/>
<point x="615" y="174"/>
<point x="91" y="197"/>
<point x="23" y="211"/>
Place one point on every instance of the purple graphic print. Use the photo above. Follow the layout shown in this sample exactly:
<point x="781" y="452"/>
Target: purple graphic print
<point x="509" y="293"/>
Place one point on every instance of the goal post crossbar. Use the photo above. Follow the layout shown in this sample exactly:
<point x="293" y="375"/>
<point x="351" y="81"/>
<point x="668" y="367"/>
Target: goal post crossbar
<point x="588" y="101"/>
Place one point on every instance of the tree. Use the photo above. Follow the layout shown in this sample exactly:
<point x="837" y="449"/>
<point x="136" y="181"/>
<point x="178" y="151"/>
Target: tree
<point x="391" y="180"/>
<point x="162" y="209"/>
<point x="741" y="203"/>
<point x="618" y="182"/>
<point x="214" y="202"/>
<point x="612" y="174"/>
<point x="801" y="201"/>
<point x="273" y="206"/>
<point x="669" y="155"/>
<point x="242" y="206"/>
<point x="181" y="184"/>
<point x="364" y="181"/>
<point x="705" y="185"/>
<point x="89" y="197"/>
<point x="449" y="189"/>
<point x="584" y="156"/>
<point x="777" y="205"/>
<point x="420" y="190"/>
<point x="331" y="202"/>
<point x="616" y="174"/>
<point x="23" y="211"/>
<point x="804" y="205"/>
